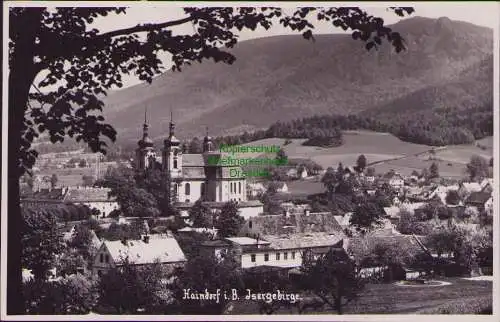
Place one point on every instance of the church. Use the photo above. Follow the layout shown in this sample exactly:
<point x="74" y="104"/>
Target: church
<point x="193" y="177"/>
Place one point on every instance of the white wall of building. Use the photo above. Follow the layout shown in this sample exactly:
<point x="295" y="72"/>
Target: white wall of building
<point x="249" y="212"/>
<point x="293" y="259"/>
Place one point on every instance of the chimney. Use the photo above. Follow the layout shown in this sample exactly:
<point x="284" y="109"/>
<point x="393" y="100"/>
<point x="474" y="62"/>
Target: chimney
<point x="306" y="212"/>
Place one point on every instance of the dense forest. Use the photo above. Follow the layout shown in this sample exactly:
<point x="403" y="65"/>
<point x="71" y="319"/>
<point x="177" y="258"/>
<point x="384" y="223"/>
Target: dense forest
<point x="434" y="127"/>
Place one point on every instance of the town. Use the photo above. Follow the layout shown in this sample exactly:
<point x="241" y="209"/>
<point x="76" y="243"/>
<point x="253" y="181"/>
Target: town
<point x="168" y="221"/>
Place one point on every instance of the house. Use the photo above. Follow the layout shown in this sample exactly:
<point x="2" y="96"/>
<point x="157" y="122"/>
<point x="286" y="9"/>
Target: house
<point x="283" y="250"/>
<point x="466" y="188"/>
<point x="293" y="222"/>
<point x="255" y="189"/>
<point x="479" y="200"/>
<point x="416" y="258"/>
<point x="94" y="198"/>
<point x="487" y="185"/>
<point x="488" y="205"/>
<point x="344" y="221"/>
<point x="281" y="187"/>
<point x="394" y="179"/>
<point x="150" y="249"/>
<point x="369" y="179"/>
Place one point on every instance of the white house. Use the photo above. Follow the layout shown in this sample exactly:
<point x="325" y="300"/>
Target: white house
<point x="283" y="250"/>
<point x="255" y="189"/>
<point x="469" y="187"/>
<point x="94" y="198"/>
<point x="394" y="179"/>
<point x="282" y="187"/>
<point x="148" y="250"/>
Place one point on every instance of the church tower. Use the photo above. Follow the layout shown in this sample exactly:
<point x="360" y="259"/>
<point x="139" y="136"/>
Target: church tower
<point x="145" y="153"/>
<point x="207" y="143"/>
<point x="172" y="153"/>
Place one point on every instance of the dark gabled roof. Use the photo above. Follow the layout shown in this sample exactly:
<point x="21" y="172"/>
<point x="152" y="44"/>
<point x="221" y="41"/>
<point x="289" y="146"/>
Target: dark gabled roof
<point x="300" y="222"/>
<point x="88" y="194"/>
<point x="478" y="197"/>
<point x="49" y="194"/>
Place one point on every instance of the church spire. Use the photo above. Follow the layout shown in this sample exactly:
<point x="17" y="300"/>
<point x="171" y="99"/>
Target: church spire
<point x="146" y="141"/>
<point x="145" y="127"/>
<point x="172" y="124"/>
<point x="207" y="142"/>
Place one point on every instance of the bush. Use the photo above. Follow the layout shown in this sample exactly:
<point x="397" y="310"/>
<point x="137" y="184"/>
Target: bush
<point x="478" y="305"/>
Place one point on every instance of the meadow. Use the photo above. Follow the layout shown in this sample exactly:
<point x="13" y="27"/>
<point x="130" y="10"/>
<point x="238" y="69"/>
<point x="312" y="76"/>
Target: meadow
<point x="383" y="146"/>
<point x="460" y="297"/>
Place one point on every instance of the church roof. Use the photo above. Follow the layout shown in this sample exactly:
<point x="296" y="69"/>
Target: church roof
<point x="193" y="160"/>
<point x="193" y="172"/>
<point x="146" y="142"/>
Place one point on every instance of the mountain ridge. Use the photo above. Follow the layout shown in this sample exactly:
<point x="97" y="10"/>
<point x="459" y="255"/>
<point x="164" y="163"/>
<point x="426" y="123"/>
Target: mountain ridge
<point x="286" y="77"/>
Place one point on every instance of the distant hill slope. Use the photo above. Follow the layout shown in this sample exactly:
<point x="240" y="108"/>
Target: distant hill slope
<point x="287" y="77"/>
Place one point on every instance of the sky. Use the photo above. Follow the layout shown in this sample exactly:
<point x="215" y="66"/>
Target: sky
<point x="479" y="13"/>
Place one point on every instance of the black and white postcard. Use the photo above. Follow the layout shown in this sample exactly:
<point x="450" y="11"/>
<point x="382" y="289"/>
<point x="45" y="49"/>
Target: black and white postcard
<point x="250" y="161"/>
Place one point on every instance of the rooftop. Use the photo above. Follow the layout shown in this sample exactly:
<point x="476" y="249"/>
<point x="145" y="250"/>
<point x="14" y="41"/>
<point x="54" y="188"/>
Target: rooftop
<point x="164" y="249"/>
<point x="303" y="240"/>
<point x="247" y="241"/>
<point x="88" y="194"/>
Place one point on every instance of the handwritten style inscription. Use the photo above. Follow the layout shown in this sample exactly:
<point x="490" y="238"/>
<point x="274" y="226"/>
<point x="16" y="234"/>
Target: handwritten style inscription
<point x="232" y="295"/>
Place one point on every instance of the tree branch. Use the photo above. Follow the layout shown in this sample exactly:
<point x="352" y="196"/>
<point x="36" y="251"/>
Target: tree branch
<point x="146" y="27"/>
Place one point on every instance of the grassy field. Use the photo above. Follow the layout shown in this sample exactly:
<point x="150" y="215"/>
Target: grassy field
<point x="382" y="146"/>
<point x="393" y="299"/>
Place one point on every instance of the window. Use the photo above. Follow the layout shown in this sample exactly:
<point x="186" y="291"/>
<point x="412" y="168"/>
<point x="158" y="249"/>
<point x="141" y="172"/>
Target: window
<point x="187" y="189"/>
<point x="293" y="255"/>
<point x="252" y="258"/>
<point x="99" y="273"/>
<point x="239" y="187"/>
<point x="175" y="163"/>
<point x="107" y="258"/>
<point x="250" y="225"/>
<point x="175" y="190"/>
<point x="202" y="189"/>
<point x="285" y="256"/>
<point x="101" y="258"/>
<point x="231" y="187"/>
<point x="266" y="257"/>
<point x="277" y="256"/>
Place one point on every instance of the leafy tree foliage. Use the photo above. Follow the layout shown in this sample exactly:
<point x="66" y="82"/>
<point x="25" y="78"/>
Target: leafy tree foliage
<point x="324" y="138"/>
<point x="82" y="241"/>
<point x="333" y="277"/>
<point x="53" y="180"/>
<point x="201" y="215"/>
<point x="133" y="201"/>
<point x="116" y="231"/>
<point x="330" y="180"/>
<point x="206" y="272"/>
<point x="366" y="216"/>
<point x="69" y="262"/>
<point x="433" y="171"/>
<point x="75" y="294"/>
<point x="477" y="168"/>
<point x="41" y="242"/>
<point x="361" y="162"/>
<point x="453" y="197"/>
<point x="228" y="222"/>
<point x="131" y="288"/>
